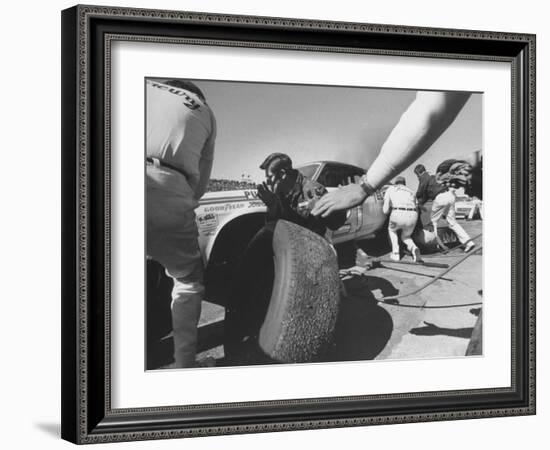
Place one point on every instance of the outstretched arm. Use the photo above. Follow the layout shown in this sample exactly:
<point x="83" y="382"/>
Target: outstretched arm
<point x="427" y="117"/>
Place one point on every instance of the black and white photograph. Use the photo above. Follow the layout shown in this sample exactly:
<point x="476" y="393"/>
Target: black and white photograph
<point x="274" y="222"/>
<point x="311" y="224"/>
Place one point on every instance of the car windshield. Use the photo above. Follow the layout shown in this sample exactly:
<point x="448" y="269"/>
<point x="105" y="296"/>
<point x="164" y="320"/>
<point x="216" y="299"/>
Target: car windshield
<point x="308" y="170"/>
<point x="334" y="175"/>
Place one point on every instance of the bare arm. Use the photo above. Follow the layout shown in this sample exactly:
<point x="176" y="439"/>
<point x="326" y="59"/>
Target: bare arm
<point x="427" y="117"/>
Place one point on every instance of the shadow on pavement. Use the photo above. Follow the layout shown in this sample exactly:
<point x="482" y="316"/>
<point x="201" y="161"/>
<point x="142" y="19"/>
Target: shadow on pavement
<point x="433" y="330"/>
<point x="363" y="328"/>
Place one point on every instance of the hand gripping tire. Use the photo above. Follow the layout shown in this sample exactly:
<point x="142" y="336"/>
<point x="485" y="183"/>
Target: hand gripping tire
<point x="304" y="302"/>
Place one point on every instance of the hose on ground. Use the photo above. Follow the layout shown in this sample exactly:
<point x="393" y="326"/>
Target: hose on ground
<point x="391" y="299"/>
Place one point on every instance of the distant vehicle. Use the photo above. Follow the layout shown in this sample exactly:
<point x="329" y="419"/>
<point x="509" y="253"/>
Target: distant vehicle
<point x="465" y="206"/>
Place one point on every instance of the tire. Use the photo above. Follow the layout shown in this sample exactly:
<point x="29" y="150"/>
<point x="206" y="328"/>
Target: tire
<point x="304" y="303"/>
<point x="285" y="302"/>
<point x="427" y="243"/>
<point x="248" y="300"/>
<point x="424" y="237"/>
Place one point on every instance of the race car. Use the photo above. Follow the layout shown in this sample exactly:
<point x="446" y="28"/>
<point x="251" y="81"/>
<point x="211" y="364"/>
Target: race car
<point x="230" y="218"/>
<point x="227" y="220"/>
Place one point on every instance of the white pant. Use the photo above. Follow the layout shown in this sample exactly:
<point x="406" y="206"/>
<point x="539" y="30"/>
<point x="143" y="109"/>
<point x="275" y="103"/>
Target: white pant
<point x="404" y="221"/>
<point x="172" y="240"/>
<point x="444" y="207"/>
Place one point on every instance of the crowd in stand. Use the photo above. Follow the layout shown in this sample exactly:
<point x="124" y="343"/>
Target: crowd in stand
<point x="217" y="184"/>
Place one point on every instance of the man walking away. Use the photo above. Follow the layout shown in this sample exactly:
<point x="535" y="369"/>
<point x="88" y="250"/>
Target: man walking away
<point x="443" y="205"/>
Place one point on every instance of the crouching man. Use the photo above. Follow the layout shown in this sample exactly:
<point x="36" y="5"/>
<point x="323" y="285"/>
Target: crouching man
<point x="291" y="196"/>
<point x="400" y="203"/>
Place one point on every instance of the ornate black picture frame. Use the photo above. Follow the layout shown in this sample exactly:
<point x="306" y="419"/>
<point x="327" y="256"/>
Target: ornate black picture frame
<point x="87" y="35"/>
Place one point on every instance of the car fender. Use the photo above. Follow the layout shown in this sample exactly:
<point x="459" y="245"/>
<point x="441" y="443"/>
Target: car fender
<point x="214" y="215"/>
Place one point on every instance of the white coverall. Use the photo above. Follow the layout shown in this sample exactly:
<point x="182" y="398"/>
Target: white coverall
<point x="443" y="206"/>
<point x="401" y="201"/>
<point x="181" y="131"/>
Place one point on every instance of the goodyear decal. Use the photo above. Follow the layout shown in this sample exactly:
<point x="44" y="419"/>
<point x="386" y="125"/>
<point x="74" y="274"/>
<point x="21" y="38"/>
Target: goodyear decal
<point x="209" y="209"/>
<point x="225" y="207"/>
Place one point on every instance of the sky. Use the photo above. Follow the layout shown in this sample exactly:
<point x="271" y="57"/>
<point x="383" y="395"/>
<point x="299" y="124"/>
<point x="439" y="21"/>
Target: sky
<point x="310" y="123"/>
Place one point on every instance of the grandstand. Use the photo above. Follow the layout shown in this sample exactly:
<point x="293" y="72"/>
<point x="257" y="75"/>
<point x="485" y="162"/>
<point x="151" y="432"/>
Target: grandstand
<point x="221" y="184"/>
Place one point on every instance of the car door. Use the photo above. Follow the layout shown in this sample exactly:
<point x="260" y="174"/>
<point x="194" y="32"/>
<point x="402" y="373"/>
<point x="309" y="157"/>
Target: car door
<point x="332" y="176"/>
<point x="372" y="217"/>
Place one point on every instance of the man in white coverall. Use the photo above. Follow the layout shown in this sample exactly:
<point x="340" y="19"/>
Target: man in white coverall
<point x="443" y="205"/>
<point x="400" y="203"/>
<point x="181" y="131"/>
<point x="426" y="118"/>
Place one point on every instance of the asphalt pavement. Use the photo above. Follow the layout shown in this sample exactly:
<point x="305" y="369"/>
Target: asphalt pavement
<point x="436" y="322"/>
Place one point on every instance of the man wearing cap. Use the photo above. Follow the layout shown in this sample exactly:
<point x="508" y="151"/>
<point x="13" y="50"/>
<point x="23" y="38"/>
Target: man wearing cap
<point x="400" y="203"/>
<point x="291" y="196"/>
<point x="181" y="131"/>
<point x="443" y="205"/>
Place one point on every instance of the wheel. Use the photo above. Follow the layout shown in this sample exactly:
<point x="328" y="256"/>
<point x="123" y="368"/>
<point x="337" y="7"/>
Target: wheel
<point x="304" y="302"/>
<point x="288" y="309"/>
<point x="425" y="239"/>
